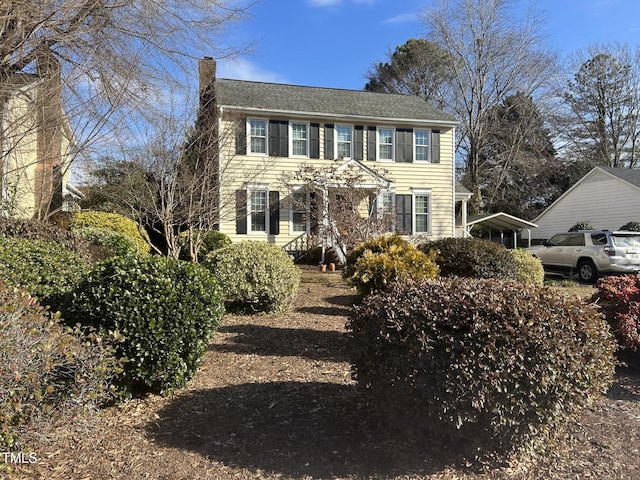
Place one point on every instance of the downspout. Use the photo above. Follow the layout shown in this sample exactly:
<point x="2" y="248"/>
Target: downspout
<point x="219" y="149"/>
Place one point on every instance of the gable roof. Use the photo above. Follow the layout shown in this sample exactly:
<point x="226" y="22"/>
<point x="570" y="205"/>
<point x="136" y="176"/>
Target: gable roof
<point x="327" y="102"/>
<point x="629" y="175"/>
<point x="500" y="221"/>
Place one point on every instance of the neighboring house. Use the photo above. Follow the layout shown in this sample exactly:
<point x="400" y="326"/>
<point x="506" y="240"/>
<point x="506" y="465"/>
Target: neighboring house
<point x="35" y="144"/>
<point x="398" y="143"/>
<point x="605" y="197"/>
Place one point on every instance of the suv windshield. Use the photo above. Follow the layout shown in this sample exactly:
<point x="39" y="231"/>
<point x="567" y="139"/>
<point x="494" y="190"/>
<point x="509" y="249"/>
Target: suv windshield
<point x="626" y="240"/>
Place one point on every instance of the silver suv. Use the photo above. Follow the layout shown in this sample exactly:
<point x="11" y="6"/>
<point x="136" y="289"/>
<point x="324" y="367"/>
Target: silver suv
<point x="590" y="253"/>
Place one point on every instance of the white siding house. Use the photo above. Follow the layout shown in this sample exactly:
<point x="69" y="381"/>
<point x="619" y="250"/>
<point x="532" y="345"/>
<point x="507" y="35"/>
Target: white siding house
<point x="606" y="197"/>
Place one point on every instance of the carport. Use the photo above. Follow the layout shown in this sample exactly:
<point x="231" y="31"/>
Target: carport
<point x="498" y="223"/>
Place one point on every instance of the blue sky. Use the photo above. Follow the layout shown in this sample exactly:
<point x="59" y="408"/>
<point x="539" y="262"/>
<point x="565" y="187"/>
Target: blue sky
<point x="333" y="43"/>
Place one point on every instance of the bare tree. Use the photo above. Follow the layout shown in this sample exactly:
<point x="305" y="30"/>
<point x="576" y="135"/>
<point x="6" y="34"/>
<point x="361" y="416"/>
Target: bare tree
<point x="492" y="52"/>
<point x="119" y="61"/>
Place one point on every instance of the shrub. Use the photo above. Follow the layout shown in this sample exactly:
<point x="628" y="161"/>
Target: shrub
<point x="631" y="226"/>
<point x="47" y="372"/>
<point x="582" y="226"/>
<point x="496" y="365"/>
<point x="375" y="264"/>
<point x="529" y="269"/>
<point x="116" y="243"/>
<point x="473" y="258"/>
<point x="111" y="221"/>
<point x="33" y="230"/>
<point x="213" y="240"/>
<point x="619" y="299"/>
<point x="165" y="310"/>
<point x="46" y="270"/>
<point x="255" y="276"/>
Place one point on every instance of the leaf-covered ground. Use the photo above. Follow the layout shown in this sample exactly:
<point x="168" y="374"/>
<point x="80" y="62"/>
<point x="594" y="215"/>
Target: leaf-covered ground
<point x="274" y="400"/>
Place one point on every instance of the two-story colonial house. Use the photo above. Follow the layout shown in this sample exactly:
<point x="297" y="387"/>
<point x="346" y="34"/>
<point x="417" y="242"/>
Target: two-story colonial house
<point x="399" y="144"/>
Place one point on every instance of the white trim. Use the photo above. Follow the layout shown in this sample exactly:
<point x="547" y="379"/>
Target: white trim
<point x="393" y="144"/>
<point x="308" y="212"/>
<point x="415" y="145"/>
<point x="421" y="192"/>
<point x="257" y="188"/>
<point x="335" y="140"/>
<point x="266" y="137"/>
<point x="290" y="139"/>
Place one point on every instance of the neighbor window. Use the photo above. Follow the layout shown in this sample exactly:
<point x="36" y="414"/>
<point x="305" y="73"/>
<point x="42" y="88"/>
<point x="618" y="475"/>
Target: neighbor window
<point x="258" y="205"/>
<point x="421" y="209"/>
<point x="299" y="139"/>
<point x="343" y="140"/>
<point x="421" y="145"/>
<point x="385" y="143"/>
<point x="300" y="212"/>
<point x="257" y="136"/>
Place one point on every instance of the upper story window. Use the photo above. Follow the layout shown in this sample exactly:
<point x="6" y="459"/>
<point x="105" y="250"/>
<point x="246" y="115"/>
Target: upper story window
<point x="421" y="142"/>
<point x="385" y="143"/>
<point x="344" y="136"/>
<point x="299" y="139"/>
<point x="257" y="136"/>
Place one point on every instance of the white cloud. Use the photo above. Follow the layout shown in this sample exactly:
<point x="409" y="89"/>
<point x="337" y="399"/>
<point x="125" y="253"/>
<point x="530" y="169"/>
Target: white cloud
<point x="240" y="69"/>
<point x="402" y="18"/>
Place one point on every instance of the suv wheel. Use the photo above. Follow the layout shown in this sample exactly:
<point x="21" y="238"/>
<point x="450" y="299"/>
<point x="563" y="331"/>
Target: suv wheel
<point x="587" y="271"/>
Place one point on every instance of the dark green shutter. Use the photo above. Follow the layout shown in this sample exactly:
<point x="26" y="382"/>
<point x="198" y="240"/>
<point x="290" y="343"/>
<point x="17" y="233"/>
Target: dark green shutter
<point x="435" y="146"/>
<point x="358" y="142"/>
<point x="404" y="214"/>
<point x="404" y="145"/>
<point x="314" y="212"/>
<point x="314" y="140"/>
<point x="241" y="212"/>
<point x="241" y="137"/>
<point x="274" y="213"/>
<point x="278" y="138"/>
<point x="328" y="141"/>
<point x="371" y="143"/>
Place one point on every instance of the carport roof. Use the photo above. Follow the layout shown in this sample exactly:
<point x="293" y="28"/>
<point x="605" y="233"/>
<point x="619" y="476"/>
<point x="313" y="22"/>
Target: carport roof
<point x="500" y="221"/>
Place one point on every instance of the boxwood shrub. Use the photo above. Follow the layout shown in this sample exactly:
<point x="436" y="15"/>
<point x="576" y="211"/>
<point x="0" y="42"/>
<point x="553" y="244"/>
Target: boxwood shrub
<point x="255" y="276"/>
<point x="111" y="221"/>
<point x="495" y="365"/>
<point x="47" y="372"/>
<point x="473" y="258"/>
<point x="378" y="262"/>
<point x="529" y="268"/>
<point x="213" y="240"/>
<point x="619" y="300"/>
<point x="164" y="311"/>
<point x="45" y="269"/>
<point x="116" y="243"/>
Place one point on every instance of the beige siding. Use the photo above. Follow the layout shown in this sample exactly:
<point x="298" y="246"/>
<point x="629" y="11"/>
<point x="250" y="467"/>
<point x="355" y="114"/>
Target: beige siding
<point x="242" y="170"/>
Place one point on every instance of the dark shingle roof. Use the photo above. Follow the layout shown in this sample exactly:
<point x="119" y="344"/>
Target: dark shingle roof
<point x="328" y="101"/>
<point x="629" y="175"/>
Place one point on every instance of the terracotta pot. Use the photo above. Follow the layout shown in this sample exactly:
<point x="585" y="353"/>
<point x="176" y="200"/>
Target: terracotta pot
<point x="332" y="267"/>
<point x="323" y="268"/>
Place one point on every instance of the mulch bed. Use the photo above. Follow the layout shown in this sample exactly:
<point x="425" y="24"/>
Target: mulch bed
<point x="274" y="399"/>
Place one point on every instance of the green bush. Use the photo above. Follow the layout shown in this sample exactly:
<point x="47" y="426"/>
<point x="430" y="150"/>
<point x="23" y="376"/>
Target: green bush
<point x="530" y="268"/>
<point x="582" y="226"/>
<point x="213" y="240"/>
<point x="47" y="372"/>
<point x="111" y="221"/>
<point x="619" y="300"/>
<point x="164" y="310"/>
<point x="473" y="258"/>
<point x="377" y="263"/>
<point x="45" y="269"/>
<point x="255" y="276"/>
<point x="33" y="230"/>
<point x="495" y="365"/>
<point x="631" y="226"/>
<point x="116" y="243"/>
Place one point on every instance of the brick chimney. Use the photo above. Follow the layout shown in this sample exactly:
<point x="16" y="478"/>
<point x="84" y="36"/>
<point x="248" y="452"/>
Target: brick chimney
<point x="206" y="74"/>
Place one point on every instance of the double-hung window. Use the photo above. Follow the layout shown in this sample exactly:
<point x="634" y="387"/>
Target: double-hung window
<point x="421" y="142"/>
<point x="421" y="211"/>
<point x="300" y="212"/>
<point x="385" y="143"/>
<point x="344" y="137"/>
<point x="299" y="134"/>
<point x="258" y="210"/>
<point x="257" y="136"/>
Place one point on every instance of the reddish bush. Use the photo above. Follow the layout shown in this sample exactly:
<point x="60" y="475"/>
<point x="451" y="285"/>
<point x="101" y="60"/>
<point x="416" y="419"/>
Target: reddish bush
<point x="619" y="299"/>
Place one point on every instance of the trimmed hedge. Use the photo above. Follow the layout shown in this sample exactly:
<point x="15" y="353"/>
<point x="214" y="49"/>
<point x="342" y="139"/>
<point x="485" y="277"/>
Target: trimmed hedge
<point x="255" y="276"/>
<point x="473" y="258"/>
<point x="377" y="263"/>
<point x="631" y="226"/>
<point x="47" y="372"/>
<point x="584" y="225"/>
<point x="496" y="366"/>
<point x="46" y="270"/>
<point x="529" y="269"/>
<point x="619" y="300"/>
<point x="116" y="243"/>
<point x="111" y="221"/>
<point x="213" y="240"/>
<point x="163" y="310"/>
